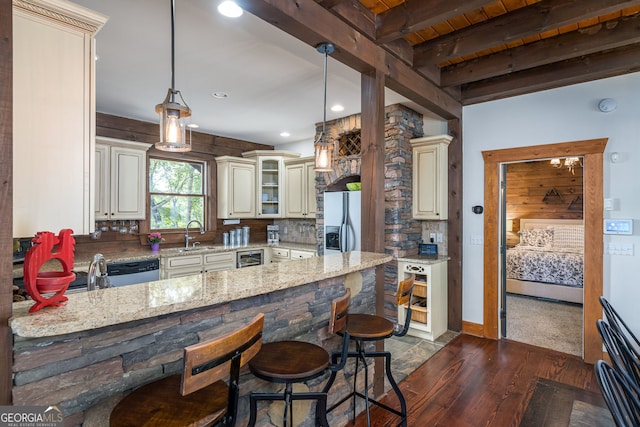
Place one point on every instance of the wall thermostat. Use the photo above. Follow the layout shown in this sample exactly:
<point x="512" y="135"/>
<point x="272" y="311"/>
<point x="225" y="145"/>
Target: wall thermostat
<point x="618" y="226"/>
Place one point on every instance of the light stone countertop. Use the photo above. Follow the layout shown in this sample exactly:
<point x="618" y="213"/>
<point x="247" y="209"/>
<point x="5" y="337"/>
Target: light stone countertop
<point x="82" y="263"/>
<point x="106" y="307"/>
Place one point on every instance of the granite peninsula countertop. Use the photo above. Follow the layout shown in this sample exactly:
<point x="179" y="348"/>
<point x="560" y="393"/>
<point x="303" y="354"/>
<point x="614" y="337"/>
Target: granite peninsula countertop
<point x="106" y="307"/>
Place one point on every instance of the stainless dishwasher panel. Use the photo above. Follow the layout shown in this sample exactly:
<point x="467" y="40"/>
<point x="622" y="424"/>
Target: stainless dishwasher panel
<point x="130" y="273"/>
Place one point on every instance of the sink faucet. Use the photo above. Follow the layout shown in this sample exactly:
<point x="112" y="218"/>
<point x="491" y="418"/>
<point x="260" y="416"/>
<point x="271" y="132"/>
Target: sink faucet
<point x="187" y="238"/>
<point x="93" y="280"/>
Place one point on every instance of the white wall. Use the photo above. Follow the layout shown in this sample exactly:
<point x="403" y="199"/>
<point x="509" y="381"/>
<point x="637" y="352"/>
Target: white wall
<point x="560" y="115"/>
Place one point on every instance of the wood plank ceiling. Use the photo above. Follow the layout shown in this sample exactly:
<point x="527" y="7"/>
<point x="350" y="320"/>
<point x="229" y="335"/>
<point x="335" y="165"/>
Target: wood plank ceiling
<point x="479" y="50"/>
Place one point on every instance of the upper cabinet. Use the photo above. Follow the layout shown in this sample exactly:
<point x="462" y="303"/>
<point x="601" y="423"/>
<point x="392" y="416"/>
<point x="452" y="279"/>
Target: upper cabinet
<point x="270" y="183"/>
<point x="300" y="182"/>
<point x="236" y="187"/>
<point x="121" y="179"/>
<point x="430" y="177"/>
<point x="53" y="116"/>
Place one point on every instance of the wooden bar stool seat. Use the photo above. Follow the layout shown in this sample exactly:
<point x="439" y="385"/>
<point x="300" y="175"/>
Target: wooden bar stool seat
<point x="201" y="395"/>
<point x="290" y="362"/>
<point x="368" y="327"/>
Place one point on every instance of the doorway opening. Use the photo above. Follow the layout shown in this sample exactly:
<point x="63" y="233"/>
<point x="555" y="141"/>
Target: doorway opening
<point x="542" y="253"/>
<point x="592" y="153"/>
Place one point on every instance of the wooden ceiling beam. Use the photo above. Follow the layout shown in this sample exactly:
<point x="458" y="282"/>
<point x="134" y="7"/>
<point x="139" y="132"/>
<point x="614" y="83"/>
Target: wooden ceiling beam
<point x="600" y="65"/>
<point x="585" y="41"/>
<point x="531" y="20"/>
<point x="311" y="23"/>
<point x="415" y="15"/>
<point x="362" y="19"/>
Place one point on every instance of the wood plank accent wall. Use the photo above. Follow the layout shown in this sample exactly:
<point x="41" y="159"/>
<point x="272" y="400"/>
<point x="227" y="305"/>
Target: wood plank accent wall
<point x="538" y="190"/>
<point x="6" y="198"/>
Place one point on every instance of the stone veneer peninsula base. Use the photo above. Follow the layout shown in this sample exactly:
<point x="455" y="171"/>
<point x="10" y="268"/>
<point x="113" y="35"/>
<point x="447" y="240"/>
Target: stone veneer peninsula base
<point x="85" y="355"/>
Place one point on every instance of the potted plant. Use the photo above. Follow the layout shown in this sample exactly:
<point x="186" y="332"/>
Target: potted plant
<point x="154" y="240"/>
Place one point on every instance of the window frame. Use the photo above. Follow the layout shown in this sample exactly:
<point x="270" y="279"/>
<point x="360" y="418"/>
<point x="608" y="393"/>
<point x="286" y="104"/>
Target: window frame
<point x="208" y="221"/>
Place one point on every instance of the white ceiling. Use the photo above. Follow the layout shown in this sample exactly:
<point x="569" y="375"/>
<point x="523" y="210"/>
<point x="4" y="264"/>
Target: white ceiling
<point x="274" y="81"/>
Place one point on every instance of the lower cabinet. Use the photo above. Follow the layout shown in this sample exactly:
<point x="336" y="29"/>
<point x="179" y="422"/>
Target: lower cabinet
<point x="219" y="261"/>
<point x="280" y="254"/>
<point x="429" y="301"/>
<point x="179" y="266"/>
<point x="298" y="254"/>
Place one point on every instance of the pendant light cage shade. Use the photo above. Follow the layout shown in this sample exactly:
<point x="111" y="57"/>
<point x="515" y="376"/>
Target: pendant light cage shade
<point x="173" y="123"/>
<point x="173" y="111"/>
<point x="323" y="149"/>
<point x="323" y="154"/>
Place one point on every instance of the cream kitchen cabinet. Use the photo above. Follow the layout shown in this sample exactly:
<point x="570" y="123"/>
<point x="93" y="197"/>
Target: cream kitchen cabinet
<point x="236" y="187"/>
<point x="430" y="177"/>
<point x="280" y="254"/>
<point x="300" y="254"/>
<point x="300" y="182"/>
<point x="219" y="261"/>
<point x="270" y="183"/>
<point x="180" y="266"/>
<point x="187" y="265"/>
<point x="53" y="116"/>
<point x="429" y="301"/>
<point x="120" y="179"/>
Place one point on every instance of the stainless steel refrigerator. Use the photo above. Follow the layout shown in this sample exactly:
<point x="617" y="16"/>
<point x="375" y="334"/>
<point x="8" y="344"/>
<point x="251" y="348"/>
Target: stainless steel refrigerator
<point x="342" y="229"/>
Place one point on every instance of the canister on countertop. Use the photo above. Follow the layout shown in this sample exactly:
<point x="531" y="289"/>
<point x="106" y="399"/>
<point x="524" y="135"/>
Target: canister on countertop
<point x="232" y="238"/>
<point x="245" y="235"/>
<point x="225" y="239"/>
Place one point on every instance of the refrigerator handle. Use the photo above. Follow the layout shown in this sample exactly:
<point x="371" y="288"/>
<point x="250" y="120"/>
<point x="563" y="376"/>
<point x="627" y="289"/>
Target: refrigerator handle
<point x="341" y="243"/>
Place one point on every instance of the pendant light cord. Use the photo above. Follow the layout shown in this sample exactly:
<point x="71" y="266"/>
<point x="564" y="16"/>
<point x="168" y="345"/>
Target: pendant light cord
<point x="173" y="46"/>
<point x="324" y="117"/>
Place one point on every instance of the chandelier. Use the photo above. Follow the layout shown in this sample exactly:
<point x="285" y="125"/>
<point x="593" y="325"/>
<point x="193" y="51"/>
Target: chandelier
<point x="570" y="163"/>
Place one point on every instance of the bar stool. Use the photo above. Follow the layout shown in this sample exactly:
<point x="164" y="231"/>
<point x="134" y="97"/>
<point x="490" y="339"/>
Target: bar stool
<point x="290" y="362"/>
<point x="199" y="396"/>
<point x="368" y="327"/>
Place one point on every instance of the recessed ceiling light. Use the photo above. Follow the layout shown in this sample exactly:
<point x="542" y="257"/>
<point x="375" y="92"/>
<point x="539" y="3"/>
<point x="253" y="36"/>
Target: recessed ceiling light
<point x="193" y="126"/>
<point x="220" y="95"/>
<point x="230" y="9"/>
<point x="285" y="134"/>
<point x="337" y="108"/>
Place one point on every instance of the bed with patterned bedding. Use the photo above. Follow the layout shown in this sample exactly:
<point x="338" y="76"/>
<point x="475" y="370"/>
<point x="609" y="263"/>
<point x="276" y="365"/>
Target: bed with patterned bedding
<point x="549" y="260"/>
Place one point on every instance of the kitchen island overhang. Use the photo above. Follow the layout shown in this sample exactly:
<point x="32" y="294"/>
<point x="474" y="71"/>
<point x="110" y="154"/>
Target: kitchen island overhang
<point x="108" y="307"/>
<point x="86" y="354"/>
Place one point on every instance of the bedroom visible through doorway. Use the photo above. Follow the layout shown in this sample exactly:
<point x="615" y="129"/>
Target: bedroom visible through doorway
<point x="543" y="260"/>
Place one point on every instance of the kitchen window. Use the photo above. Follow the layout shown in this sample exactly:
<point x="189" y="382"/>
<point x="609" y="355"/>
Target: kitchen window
<point x="177" y="193"/>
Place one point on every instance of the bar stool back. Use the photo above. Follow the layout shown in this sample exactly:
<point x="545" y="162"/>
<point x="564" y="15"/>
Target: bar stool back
<point x="290" y="362"/>
<point x="200" y="396"/>
<point x="369" y="327"/>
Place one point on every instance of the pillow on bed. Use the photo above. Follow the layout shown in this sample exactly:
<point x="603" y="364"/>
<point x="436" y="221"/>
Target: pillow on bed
<point x="540" y="237"/>
<point x="571" y="236"/>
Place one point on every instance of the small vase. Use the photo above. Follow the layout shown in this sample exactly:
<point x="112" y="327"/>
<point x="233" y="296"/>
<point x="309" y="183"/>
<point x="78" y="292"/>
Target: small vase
<point x="155" y="247"/>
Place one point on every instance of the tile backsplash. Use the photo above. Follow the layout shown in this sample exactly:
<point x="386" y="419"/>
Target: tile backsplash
<point x="297" y="230"/>
<point x="437" y="227"/>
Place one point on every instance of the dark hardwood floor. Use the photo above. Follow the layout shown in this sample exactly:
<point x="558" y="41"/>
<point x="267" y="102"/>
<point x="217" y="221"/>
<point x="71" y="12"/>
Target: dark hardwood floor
<point x="479" y="382"/>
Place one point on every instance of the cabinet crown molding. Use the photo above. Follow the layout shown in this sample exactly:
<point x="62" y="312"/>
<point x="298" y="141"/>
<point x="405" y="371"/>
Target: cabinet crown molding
<point x="122" y="142"/>
<point x="427" y="140"/>
<point x="64" y="11"/>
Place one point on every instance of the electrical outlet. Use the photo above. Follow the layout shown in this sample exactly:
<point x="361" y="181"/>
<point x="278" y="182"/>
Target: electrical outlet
<point x="432" y="237"/>
<point x="439" y="238"/>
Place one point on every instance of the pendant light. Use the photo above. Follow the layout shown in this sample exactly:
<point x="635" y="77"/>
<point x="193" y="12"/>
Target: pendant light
<point x="323" y="149"/>
<point x="173" y="111"/>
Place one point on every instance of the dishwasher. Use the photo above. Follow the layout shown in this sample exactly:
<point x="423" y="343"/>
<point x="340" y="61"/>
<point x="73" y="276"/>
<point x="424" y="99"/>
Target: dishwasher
<point x="132" y="272"/>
